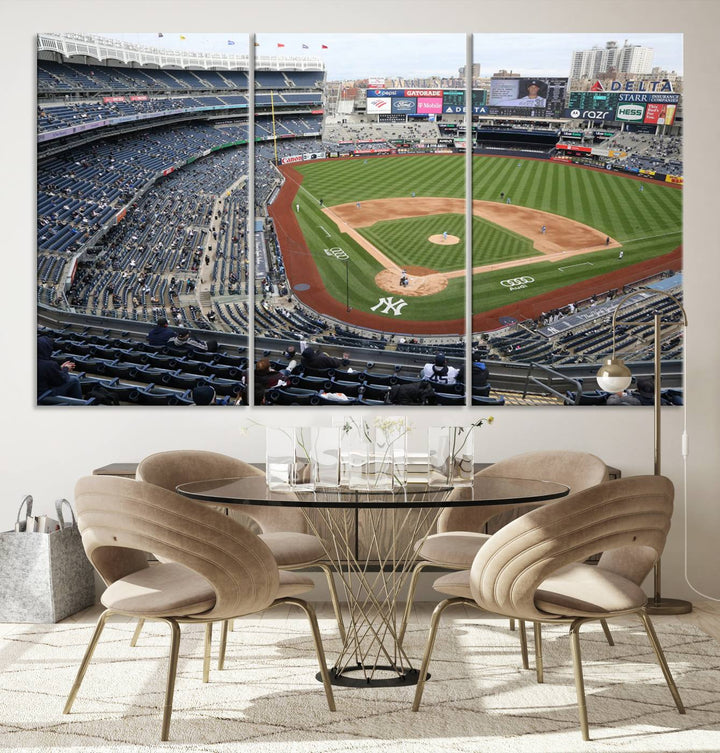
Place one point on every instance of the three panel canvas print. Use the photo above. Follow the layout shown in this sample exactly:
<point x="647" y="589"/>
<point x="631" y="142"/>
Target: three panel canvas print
<point x="293" y="219"/>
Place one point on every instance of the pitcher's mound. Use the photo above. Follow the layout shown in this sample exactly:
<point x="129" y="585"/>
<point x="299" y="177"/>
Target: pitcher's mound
<point x="451" y="240"/>
<point x="421" y="281"/>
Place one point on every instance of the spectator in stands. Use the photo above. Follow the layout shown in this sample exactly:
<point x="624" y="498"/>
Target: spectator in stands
<point x="203" y="394"/>
<point x="645" y="392"/>
<point x="622" y="398"/>
<point x="439" y="372"/>
<point x="161" y="333"/>
<point x="53" y="377"/>
<point x="267" y="376"/>
<point x="312" y="358"/>
<point x="480" y="373"/>
<point x="292" y="358"/>
<point x="183" y="340"/>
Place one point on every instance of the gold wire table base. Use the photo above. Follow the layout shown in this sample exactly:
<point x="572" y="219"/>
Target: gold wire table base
<point x="373" y="580"/>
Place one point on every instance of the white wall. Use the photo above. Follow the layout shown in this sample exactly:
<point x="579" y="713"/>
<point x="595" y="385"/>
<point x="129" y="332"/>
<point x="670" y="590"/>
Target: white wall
<point x="44" y="451"/>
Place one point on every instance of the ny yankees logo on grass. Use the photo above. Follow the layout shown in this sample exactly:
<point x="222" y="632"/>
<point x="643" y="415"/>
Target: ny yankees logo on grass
<point x="390" y="305"/>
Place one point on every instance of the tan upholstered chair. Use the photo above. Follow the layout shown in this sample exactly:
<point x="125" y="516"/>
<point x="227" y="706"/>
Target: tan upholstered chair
<point x="534" y="568"/>
<point x="461" y="530"/>
<point x="213" y="568"/>
<point x="283" y="529"/>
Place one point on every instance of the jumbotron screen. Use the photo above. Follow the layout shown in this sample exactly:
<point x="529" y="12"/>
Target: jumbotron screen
<point x="534" y="97"/>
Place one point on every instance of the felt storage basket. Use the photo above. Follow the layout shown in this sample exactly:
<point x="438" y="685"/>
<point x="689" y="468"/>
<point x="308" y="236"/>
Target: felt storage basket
<point x="44" y="577"/>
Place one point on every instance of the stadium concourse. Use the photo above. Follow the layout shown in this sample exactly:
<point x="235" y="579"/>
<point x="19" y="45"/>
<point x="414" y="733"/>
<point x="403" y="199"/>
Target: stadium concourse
<point x="142" y="209"/>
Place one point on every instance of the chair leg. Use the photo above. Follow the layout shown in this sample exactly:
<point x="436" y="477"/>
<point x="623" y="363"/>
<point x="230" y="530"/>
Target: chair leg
<point x="434" y="623"/>
<point x="512" y="623"/>
<point x="319" y="650"/>
<point x="208" y="644"/>
<point x="89" y="651"/>
<point x="523" y="645"/>
<point x="138" y="630"/>
<point x="419" y="567"/>
<point x="231" y="625"/>
<point x="172" y="674"/>
<point x="334" y="597"/>
<point x="650" y="630"/>
<point x="608" y="634"/>
<point x="537" y="634"/>
<point x="579" y="682"/>
<point x="223" y="643"/>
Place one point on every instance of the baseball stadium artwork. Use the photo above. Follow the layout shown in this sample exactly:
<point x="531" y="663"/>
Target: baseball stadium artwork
<point x="352" y="273"/>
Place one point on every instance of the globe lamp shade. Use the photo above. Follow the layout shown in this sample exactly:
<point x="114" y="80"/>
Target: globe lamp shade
<point x="614" y="375"/>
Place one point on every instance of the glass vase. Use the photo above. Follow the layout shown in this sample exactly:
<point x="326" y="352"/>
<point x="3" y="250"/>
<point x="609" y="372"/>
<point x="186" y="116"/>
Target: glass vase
<point x="451" y="455"/>
<point x="326" y="455"/>
<point x="279" y="457"/>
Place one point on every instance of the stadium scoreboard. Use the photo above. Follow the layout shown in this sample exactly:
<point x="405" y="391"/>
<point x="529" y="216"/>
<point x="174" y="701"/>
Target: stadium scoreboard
<point x="647" y="108"/>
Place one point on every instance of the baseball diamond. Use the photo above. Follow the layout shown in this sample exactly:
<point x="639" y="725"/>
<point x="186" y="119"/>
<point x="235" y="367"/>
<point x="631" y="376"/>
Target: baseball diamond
<point x="391" y="213"/>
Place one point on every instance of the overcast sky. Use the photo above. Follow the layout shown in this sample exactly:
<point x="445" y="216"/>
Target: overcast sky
<point x="350" y="56"/>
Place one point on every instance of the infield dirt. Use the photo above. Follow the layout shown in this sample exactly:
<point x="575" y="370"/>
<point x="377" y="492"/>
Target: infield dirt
<point x="562" y="238"/>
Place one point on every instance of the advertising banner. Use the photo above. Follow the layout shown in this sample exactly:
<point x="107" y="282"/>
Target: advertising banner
<point x="113" y="99"/>
<point x="589" y="114"/>
<point x="422" y="93"/>
<point x="653" y="97"/>
<point x="379" y="104"/>
<point x="290" y="160"/>
<point x="385" y="93"/>
<point x="659" y="114"/>
<point x="404" y="105"/>
<point x="139" y="98"/>
<point x="429" y="104"/>
<point x="630" y="112"/>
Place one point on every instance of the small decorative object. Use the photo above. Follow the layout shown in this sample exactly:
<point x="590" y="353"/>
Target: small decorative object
<point x="289" y="463"/>
<point x="452" y="454"/>
<point x="373" y="456"/>
<point x="303" y="478"/>
<point x="279" y="457"/>
<point x="326" y="454"/>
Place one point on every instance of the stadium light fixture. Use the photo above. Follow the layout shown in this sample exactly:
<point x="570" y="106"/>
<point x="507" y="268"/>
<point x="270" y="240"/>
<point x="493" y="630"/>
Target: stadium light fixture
<point x="347" y="284"/>
<point x="614" y="376"/>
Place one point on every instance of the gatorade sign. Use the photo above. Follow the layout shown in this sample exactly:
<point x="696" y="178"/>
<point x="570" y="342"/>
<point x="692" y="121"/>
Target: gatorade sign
<point x="630" y="112"/>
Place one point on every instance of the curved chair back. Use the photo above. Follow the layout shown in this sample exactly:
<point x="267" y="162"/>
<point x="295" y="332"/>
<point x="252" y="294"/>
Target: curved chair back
<point x="578" y="470"/>
<point x="169" y="469"/>
<point x="627" y="519"/>
<point x="121" y="519"/>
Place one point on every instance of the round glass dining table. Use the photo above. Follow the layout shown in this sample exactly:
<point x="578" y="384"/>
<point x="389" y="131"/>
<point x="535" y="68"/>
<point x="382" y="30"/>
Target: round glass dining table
<point x="375" y="565"/>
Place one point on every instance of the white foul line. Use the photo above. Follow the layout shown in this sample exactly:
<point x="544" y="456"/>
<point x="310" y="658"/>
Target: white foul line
<point x="583" y="264"/>
<point x="325" y="231"/>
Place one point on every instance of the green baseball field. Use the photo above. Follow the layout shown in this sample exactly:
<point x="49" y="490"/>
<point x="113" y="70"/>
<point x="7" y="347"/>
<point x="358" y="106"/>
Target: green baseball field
<point x="363" y="224"/>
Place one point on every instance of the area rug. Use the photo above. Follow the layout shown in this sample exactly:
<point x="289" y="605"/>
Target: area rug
<point x="266" y="700"/>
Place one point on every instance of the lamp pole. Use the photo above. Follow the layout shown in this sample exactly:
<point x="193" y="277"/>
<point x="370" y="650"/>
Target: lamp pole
<point x="347" y="284"/>
<point x="658" y="604"/>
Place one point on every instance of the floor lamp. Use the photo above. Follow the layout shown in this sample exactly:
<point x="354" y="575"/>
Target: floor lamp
<point x="614" y="376"/>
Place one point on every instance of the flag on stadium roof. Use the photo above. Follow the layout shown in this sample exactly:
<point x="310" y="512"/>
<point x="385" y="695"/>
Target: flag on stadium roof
<point x="306" y="47"/>
<point x="182" y="37"/>
<point x="230" y="41"/>
<point x="160" y="35"/>
<point x="597" y="87"/>
<point x="280" y="44"/>
<point x="257" y="44"/>
<point x="323" y="47"/>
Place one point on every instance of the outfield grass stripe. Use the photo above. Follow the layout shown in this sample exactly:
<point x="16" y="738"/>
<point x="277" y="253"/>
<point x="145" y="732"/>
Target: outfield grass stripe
<point x="648" y="223"/>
